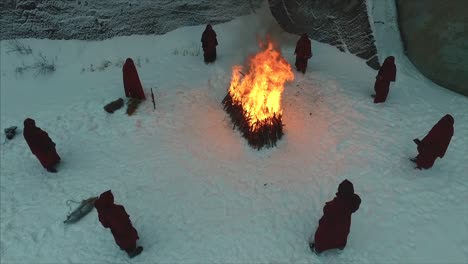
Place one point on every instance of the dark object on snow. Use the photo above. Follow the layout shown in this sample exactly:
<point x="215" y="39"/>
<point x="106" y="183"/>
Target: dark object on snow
<point x="312" y="247"/>
<point x="41" y="145"/>
<point x="335" y="223"/>
<point x="132" y="105"/>
<point x="209" y="43"/>
<point x="10" y="132"/>
<point x="387" y="74"/>
<point x="115" y="217"/>
<point x="135" y="252"/>
<point x="114" y="106"/>
<point x="268" y="132"/>
<point x="152" y="99"/>
<point x="131" y="80"/>
<point x="83" y="209"/>
<point x="303" y="52"/>
<point x="435" y="143"/>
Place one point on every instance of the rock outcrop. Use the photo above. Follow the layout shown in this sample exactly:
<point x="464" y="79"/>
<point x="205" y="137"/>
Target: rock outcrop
<point x="341" y="23"/>
<point x="102" y="19"/>
<point x="435" y="37"/>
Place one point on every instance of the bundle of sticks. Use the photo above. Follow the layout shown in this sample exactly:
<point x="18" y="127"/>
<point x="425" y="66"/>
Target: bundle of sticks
<point x="260" y="134"/>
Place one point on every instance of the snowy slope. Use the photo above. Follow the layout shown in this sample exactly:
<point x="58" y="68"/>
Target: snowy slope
<point x="195" y="191"/>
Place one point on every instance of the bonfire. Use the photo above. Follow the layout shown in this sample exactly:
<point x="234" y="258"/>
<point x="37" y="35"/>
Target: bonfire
<point x="253" y="100"/>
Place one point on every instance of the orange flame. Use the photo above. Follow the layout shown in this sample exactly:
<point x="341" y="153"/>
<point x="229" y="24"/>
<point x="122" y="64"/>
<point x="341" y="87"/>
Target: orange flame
<point x="259" y="91"/>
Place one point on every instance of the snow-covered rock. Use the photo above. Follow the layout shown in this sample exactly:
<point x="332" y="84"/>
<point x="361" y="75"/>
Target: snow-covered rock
<point x="97" y="20"/>
<point x="435" y="37"/>
<point x="341" y="23"/>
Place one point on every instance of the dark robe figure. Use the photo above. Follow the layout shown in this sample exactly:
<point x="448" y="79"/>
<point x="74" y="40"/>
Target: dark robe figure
<point x="115" y="217"/>
<point x="132" y="84"/>
<point x="334" y="226"/>
<point x="209" y="43"/>
<point x="41" y="145"/>
<point x="387" y="74"/>
<point x="303" y="52"/>
<point x="435" y="143"/>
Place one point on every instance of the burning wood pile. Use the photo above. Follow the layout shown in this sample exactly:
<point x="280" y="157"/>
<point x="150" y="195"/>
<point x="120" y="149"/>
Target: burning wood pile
<point x="253" y="100"/>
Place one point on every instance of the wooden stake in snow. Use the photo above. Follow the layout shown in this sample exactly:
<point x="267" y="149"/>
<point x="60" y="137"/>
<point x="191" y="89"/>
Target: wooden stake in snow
<point x="152" y="98"/>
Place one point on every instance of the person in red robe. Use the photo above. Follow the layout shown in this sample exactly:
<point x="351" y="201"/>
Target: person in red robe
<point x="387" y="74"/>
<point x="132" y="84"/>
<point x="115" y="217"/>
<point x="435" y="143"/>
<point x="334" y="226"/>
<point x="303" y="52"/>
<point x="209" y="43"/>
<point x="41" y="145"/>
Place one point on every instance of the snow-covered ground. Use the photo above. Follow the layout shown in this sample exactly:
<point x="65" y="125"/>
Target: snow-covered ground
<point x="195" y="191"/>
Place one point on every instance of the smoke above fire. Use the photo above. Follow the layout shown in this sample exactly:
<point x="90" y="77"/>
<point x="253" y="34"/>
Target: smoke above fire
<point x="258" y="28"/>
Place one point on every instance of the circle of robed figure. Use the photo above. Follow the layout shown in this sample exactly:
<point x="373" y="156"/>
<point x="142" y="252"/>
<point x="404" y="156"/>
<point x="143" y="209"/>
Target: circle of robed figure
<point x="434" y="145"/>
<point x="303" y="52"/>
<point x="41" y="145"/>
<point x="335" y="224"/>
<point x="131" y="80"/>
<point x="386" y="74"/>
<point x="209" y="43"/>
<point x="115" y="217"/>
<point x="132" y="86"/>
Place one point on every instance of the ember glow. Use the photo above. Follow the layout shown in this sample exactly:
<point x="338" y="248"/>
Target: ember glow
<point x="259" y="90"/>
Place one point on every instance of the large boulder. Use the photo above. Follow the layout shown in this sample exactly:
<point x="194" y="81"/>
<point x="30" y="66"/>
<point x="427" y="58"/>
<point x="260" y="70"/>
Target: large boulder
<point x="435" y="36"/>
<point x="102" y="19"/>
<point x="341" y="23"/>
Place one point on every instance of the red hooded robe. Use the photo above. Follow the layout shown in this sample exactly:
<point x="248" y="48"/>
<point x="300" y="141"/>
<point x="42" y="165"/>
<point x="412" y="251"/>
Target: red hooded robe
<point x="40" y="144"/>
<point x="303" y="52"/>
<point x="132" y="84"/>
<point x="334" y="226"/>
<point x="435" y="143"/>
<point x="387" y="74"/>
<point x="115" y="217"/>
<point x="209" y="43"/>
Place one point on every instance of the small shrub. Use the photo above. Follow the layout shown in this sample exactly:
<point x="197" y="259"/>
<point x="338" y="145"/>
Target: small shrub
<point x="17" y="46"/>
<point x="119" y="63"/>
<point x="43" y="65"/>
<point x="196" y="51"/>
<point x="193" y="50"/>
<point x="21" y="69"/>
<point x="104" y="65"/>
